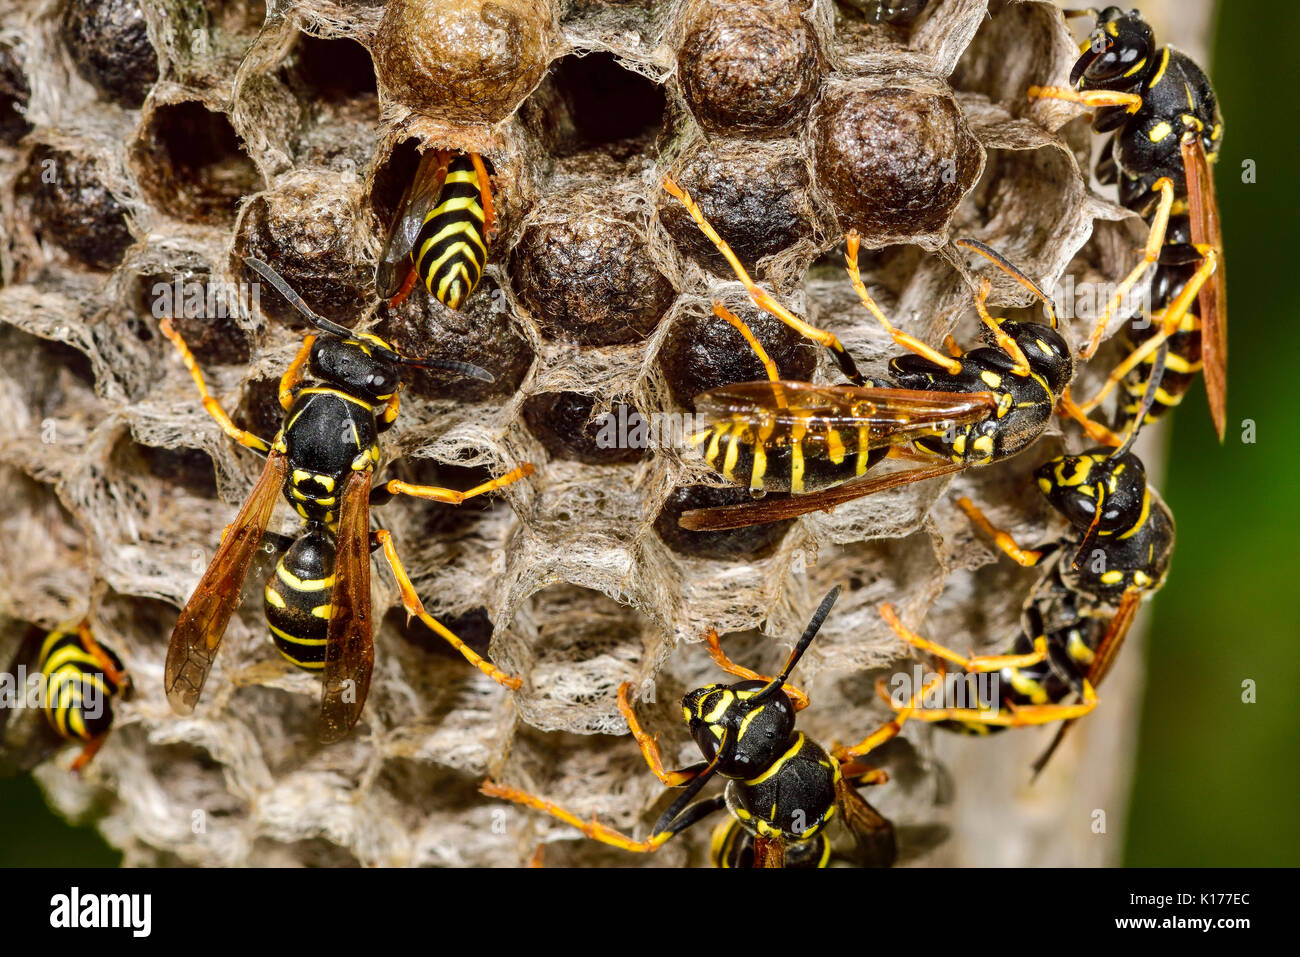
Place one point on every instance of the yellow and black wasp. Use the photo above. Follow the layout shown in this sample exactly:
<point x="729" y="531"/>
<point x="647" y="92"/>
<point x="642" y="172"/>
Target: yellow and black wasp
<point x="323" y="459"/>
<point x="1115" y="554"/>
<point x="949" y="412"/>
<point x="1166" y="130"/>
<point x="79" y="680"/>
<point x="783" y="789"/>
<point x="442" y="231"/>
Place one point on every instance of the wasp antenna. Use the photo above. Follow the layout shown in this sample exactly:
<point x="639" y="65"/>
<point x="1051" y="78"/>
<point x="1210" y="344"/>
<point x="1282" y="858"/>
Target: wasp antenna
<point x="295" y="300"/>
<point x="809" y="633"/>
<point x="1012" y="270"/>
<point x="467" y="369"/>
<point x="1148" y="398"/>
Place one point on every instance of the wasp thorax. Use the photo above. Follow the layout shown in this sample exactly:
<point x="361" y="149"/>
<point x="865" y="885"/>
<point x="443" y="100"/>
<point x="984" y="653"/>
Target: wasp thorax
<point x="1046" y="352"/>
<point x="755" y="728"/>
<point x="1079" y="485"/>
<point x="352" y="365"/>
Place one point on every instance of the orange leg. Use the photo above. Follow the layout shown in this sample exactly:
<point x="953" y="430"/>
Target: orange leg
<point x="485" y="194"/>
<point x="798" y="698"/>
<point x="1170" y="322"/>
<point x="414" y="607"/>
<point x="910" y="343"/>
<point x="593" y="828"/>
<point x="968" y="662"/>
<point x="293" y="375"/>
<point x="1005" y="342"/>
<point x="1023" y="556"/>
<point x="722" y="312"/>
<point x="888" y="730"/>
<point x="1092" y="99"/>
<point x="1014" y="716"/>
<point x="111" y="671"/>
<point x="408" y="284"/>
<point x="1068" y="408"/>
<point x="761" y="298"/>
<point x="212" y="406"/>
<point x="451" y="496"/>
<point x="649" y="745"/>
<point x="1150" y="255"/>
<point x="88" y="752"/>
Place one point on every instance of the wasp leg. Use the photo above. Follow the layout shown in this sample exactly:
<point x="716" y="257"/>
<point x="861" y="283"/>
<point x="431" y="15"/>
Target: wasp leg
<point x="761" y="299"/>
<point x="600" y="832"/>
<point x="1015" y="716"/>
<point x="1028" y="557"/>
<point x="890" y="729"/>
<point x="1089" y="98"/>
<point x="111" y="671"/>
<point x="1170" y="323"/>
<point x="293" y="375"/>
<point x="88" y="752"/>
<point x="1008" y="345"/>
<point x="451" y="496"/>
<point x="650" y="746"/>
<point x="910" y="343"/>
<point x="863" y="775"/>
<point x="1096" y="431"/>
<point x="1150" y="256"/>
<point x="974" y="663"/>
<point x="212" y="406"/>
<point x="798" y="699"/>
<point x="485" y="194"/>
<point x="954" y="350"/>
<point x="414" y="607"/>
<point x="408" y="285"/>
<point x="722" y="312"/>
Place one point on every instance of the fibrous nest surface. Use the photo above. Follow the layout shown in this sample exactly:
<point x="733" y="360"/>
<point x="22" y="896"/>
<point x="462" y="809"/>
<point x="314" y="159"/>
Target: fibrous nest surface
<point x="142" y="158"/>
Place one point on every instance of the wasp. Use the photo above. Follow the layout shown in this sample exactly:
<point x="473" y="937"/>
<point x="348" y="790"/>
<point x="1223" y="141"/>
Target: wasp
<point x="949" y="412"/>
<point x="1115" y="555"/>
<point x="1165" y="132"/>
<point x="442" y="231"/>
<point x="339" y="394"/>
<point x="783" y="789"/>
<point x="80" y="679"/>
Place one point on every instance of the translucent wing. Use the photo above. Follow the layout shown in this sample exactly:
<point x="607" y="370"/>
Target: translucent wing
<point x="1203" y="207"/>
<point x="872" y="833"/>
<point x="349" y="648"/>
<point x="774" y="510"/>
<point x="1102" y="660"/>
<point x="203" y="621"/>
<point x="892" y="416"/>
<point x="420" y="197"/>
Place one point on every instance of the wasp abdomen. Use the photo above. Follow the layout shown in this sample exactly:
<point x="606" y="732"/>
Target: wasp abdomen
<point x="297" y="599"/>
<point x="450" y="250"/>
<point x="78" y="692"/>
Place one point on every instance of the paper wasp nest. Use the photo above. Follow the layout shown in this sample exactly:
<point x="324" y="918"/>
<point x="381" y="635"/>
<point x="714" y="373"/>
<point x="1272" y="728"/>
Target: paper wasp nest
<point x="146" y="146"/>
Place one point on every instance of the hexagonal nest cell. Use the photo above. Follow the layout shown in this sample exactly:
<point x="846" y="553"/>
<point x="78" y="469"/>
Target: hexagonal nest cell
<point x="147" y="146"/>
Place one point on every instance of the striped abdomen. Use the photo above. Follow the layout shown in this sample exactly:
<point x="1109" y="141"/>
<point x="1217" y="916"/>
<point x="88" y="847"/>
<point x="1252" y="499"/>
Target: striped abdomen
<point x="78" y="692"/>
<point x="800" y="460"/>
<point x="450" y="250"/>
<point x="297" y="599"/>
<point x="1183" y="363"/>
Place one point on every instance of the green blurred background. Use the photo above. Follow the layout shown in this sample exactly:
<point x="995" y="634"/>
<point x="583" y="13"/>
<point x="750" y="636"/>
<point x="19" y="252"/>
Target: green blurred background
<point x="1217" y="779"/>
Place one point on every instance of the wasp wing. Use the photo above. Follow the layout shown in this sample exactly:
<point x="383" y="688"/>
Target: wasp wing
<point x="769" y="851"/>
<point x="1203" y="208"/>
<point x="785" y="410"/>
<point x="775" y="510"/>
<point x="349" y="648"/>
<point x="1102" y="660"/>
<point x="876" y="845"/>
<point x="203" y="620"/>
<point x="421" y="195"/>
